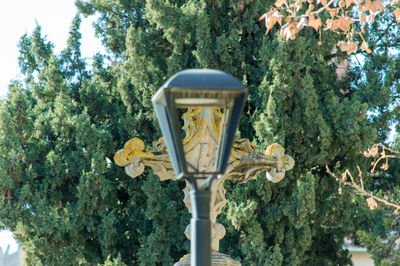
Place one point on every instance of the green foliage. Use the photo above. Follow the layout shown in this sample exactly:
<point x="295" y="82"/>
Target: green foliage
<point x="378" y="79"/>
<point x="59" y="126"/>
<point x="383" y="247"/>
<point x="114" y="262"/>
<point x="61" y="194"/>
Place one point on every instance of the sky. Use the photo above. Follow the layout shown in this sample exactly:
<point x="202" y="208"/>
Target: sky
<point x="18" y="17"/>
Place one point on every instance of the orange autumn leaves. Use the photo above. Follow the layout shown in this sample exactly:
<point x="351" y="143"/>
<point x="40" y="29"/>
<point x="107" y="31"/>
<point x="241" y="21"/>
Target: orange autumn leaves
<point x="271" y="18"/>
<point x="397" y="15"/>
<point x="314" y="22"/>
<point x="294" y="15"/>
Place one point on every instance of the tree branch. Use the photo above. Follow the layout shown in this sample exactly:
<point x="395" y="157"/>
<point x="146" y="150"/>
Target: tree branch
<point x="372" y="199"/>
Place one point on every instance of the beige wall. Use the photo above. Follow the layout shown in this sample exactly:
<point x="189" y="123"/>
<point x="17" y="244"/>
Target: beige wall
<point x="361" y="259"/>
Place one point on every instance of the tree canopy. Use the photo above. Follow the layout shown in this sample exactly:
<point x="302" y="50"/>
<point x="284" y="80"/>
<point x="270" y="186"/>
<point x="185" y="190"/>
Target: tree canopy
<point x="69" y="204"/>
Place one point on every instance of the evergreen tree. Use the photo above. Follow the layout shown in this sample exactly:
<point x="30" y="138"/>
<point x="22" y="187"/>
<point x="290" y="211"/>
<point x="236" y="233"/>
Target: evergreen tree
<point x="69" y="205"/>
<point x="63" y="197"/>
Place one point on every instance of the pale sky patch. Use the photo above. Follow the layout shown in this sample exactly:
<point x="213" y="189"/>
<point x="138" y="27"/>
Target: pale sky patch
<point x="18" y="17"/>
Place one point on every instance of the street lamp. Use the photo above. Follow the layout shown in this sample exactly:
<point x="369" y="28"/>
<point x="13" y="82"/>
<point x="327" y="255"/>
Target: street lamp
<point x="197" y="88"/>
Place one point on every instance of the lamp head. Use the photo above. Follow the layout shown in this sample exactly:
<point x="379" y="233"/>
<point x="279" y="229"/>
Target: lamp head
<point x="196" y="88"/>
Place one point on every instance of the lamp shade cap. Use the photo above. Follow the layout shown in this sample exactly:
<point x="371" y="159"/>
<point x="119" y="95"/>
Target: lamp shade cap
<point x="214" y="83"/>
<point x="203" y="79"/>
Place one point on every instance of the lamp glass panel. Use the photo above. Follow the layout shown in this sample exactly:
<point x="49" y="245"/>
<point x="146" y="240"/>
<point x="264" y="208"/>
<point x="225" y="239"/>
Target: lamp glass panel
<point x="207" y="119"/>
<point x="200" y="138"/>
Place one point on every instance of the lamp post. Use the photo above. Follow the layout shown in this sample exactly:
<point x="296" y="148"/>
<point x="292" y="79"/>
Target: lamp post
<point x="197" y="88"/>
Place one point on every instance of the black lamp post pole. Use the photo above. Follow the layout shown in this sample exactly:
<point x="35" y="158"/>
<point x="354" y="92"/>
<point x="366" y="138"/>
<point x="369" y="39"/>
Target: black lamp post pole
<point x="200" y="244"/>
